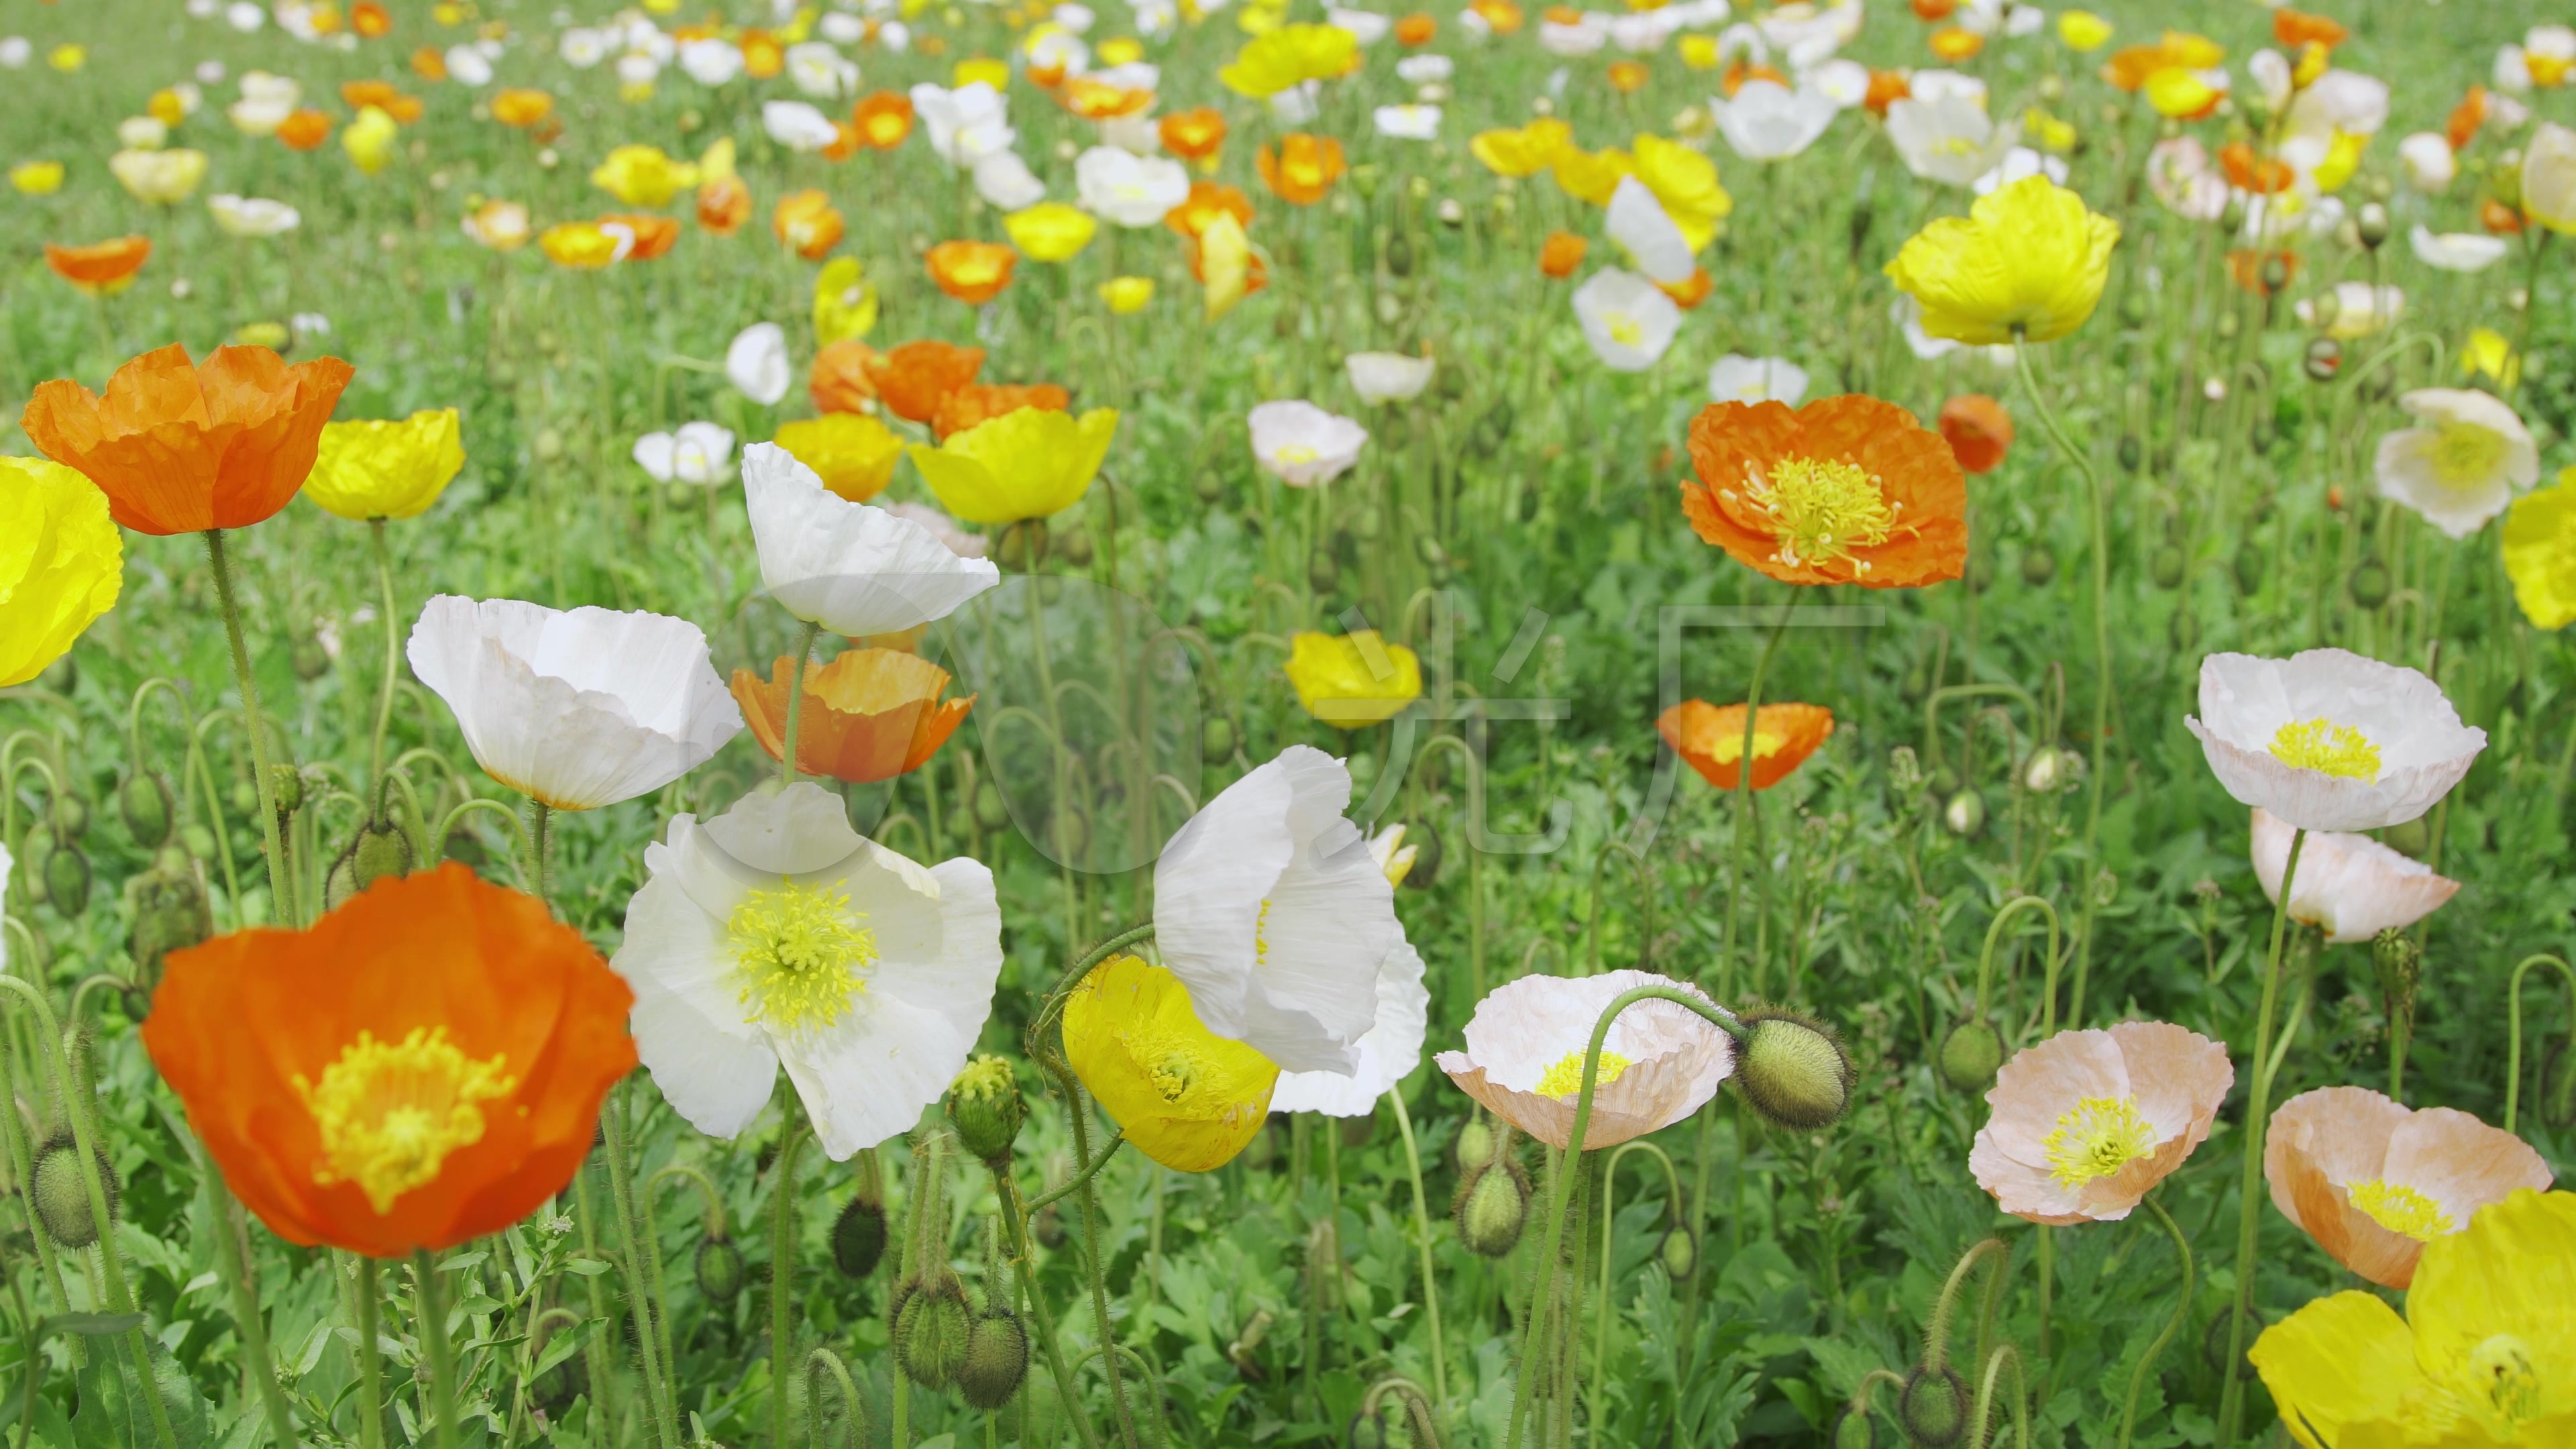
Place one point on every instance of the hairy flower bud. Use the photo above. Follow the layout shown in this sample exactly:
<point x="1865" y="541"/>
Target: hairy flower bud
<point x="931" y="1324"/>
<point x="997" y="1358"/>
<point x="378" y="850"/>
<point x="1475" y="1145"/>
<point x="1934" y="1407"/>
<point x="1493" y="1204"/>
<point x="1793" y="1070"/>
<point x="986" y="1107"/>
<point x="61" y="1197"/>
<point x="1970" y="1055"/>
<point x="859" y="1238"/>
<point x="1852" y="1430"/>
<point x="170" y="914"/>
<point x="720" y="1269"/>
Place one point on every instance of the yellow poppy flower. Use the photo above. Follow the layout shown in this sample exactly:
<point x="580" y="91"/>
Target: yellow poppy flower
<point x="2540" y="553"/>
<point x="2343" y="157"/>
<point x="2083" y="31"/>
<point x="1029" y="463"/>
<point x="390" y="469"/>
<point x="1686" y="183"/>
<point x="643" y="176"/>
<point x="716" y="163"/>
<point x="1186" y="1097"/>
<point x="1523" y="151"/>
<point x="994" y="73"/>
<point x="1051" y="231"/>
<point x="2488" y="354"/>
<point x="2180" y="94"/>
<point x="68" y="58"/>
<point x="2485" y="1356"/>
<point x="579" y="245"/>
<point x="370" y="138"/>
<point x="1702" y="52"/>
<point x="1291" y="55"/>
<point x="852" y="453"/>
<point x="1225" y="264"/>
<point x="61" y="563"/>
<point x="37" y="178"/>
<point x="2028" y="264"/>
<point x="1351" y="680"/>
<point x="1590" y="176"/>
<point x="845" y="302"/>
<point x="1127" y="296"/>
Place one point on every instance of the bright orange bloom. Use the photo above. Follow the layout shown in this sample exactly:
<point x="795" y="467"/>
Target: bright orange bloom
<point x="1194" y="135"/>
<point x="304" y="130"/>
<point x="521" y="108"/>
<point x="2246" y="265"/>
<point x="869" y="715"/>
<point x="371" y="19"/>
<point x="845" y="142"/>
<point x="1886" y="88"/>
<point x="1690" y="291"/>
<point x="981" y="402"/>
<point x="2265" y="176"/>
<point x="1628" y="77"/>
<point x="973" y="272"/>
<point x="655" y="234"/>
<point x="1207" y="201"/>
<point x="2466" y="118"/>
<point x="1097" y="100"/>
<point x="914" y="379"/>
<point x="357" y="95"/>
<point x="1561" y="253"/>
<point x="1304" y="168"/>
<point x="1561" y="15"/>
<point x="1953" y="44"/>
<point x="101" y="269"/>
<point x="808" y="222"/>
<point x="1503" y="15"/>
<point x="429" y="63"/>
<point x="1846" y="490"/>
<point x="2130" y="68"/>
<point x="838" y="381"/>
<point x="2499" y="218"/>
<point x="1739" y="71"/>
<point x="1416" y="29"/>
<point x="1979" y="430"/>
<point x="883" y="119"/>
<point x="307" y="1060"/>
<point x="2295" y="30"/>
<point x="762" y="56"/>
<point x="180" y="448"/>
<point x="724" y="204"/>
<point x="1933" y="12"/>
<point x="1710" y="739"/>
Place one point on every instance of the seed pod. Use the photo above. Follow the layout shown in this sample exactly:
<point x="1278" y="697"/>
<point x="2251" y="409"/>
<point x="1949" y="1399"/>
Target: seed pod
<point x="61" y="1197"/>
<point x="1493" y="1206"/>
<point x="144" y="802"/>
<point x="2370" y="224"/>
<point x="720" y="1270"/>
<point x="859" y="1238"/>
<point x="1793" y="1070"/>
<point x="34" y="850"/>
<point x="985" y="1105"/>
<point x="67" y="880"/>
<point x="2370" y="583"/>
<point x="931" y="1323"/>
<point x="997" y="1358"/>
<point x="1210" y="486"/>
<point x="1399" y="255"/>
<point x="1934" y="1407"/>
<point x="1971" y="1055"/>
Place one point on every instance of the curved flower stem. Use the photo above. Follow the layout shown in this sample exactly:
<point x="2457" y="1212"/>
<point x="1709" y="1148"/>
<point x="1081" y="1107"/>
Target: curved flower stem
<point x="1609" y="1215"/>
<point x="1015" y="1225"/>
<point x="1995" y="1363"/>
<point x="1747" y="822"/>
<point x="2231" y="1403"/>
<point x="2156" y="1350"/>
<point x="281" y="896"/>
<point x="1645" y="903"/>
<point x="1091" y="1169"/>
<point x="527" y="847"/>
<point x="393" y="652"/>
<point x="639" y="1284"/>
<point x="796" y="703"/>
<point x="782" y="1263"/>
<point x="1994" y="934"/>
<point x="442" y="1354"/>
<point x="2513" y="1038"/>
<point x="820" y="1365"/>
<point x="1422" y="1238"/>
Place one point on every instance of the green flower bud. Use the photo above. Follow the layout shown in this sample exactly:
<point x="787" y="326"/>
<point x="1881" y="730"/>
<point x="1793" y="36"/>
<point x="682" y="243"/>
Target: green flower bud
<point x="997" y="1358"/>
<point x="985" y="1105"/>
<point x="931" y="1324"/>
<point x="2167" y="565"/>
<point x="1475" y="1146"/>
<point x="71" y="816"/>
<point x="67" y="879"/>
<point x="170" y="914"/>
<point x="1679" y="1253"/>
<point x="991" y="811"/>
<point x="1493" y="1204"/>
<point x="1964" y="814"/>
<point x="2371" y="583"/>
<point x="2250" y="564"/>
<point x="1793" y="1071"/>
<point x="61" y="1196"/>
<point x="144" y="801"/>
<point x="1216" y="738"/>
<point x="2132" y="453"/>
<point x="2038" y="566"/>
<point x="1934" y="1407"/>
<point x="557" y="1388"/>
<point x="1971" y="1055"/>
<point x="197" y="840"/>
<point x="287" y="784"/>
<point x="1852" y="1430"/>
<point x="377" y="851"/>
<point x="720" y="1270"/>
<point x="859" y="1238"/>
<point x="310" y="659"/>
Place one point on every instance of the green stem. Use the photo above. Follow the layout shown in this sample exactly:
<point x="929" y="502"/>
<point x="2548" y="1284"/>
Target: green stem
<point x="782" y="1263"/>
<point x="1015" y="1222"/>
<point x="2231" y="1403"/>
<point x="281" y="898"/>
<point x="1745" y="822"/>
<point x="442" y="1354"/>
<point x="1090" y="1170"/>
<point x="1422" y="1238"/>
<point x="371" y="1370"/>
<point x="1986" y="958"/>
<point x="540" y="815"/>
<point x="2513" y="1049"/>
<point x="639" y="1283"/>
<point x="796" y="703"/>
<point x="393" y="653"/>
<point x="2156" y="1350"/>
<point x="1609" y="1217"/>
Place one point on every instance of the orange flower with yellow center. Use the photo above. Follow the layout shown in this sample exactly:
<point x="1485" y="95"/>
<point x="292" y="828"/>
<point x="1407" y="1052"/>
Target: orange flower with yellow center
<point x="808" y="223"/>
<point x="304" y="130"/>
<point x="1207" y="201"/>
<point x="1096" y="100"/>
<point x="2297" y="30"/>
<point x="421" y="1067"/>
<point x="520" y="108"/>
<point x="973" y="272"/>
<point x="357" y="95"/>
<point x="1418" y="28"/>
<point x="1194" y="135"/>
<point x="1503" y="15"/>
<point x="101" y="269"/>
<point x="882" y="119"/>
<point x="654" y="234"/>
<point x="1562" y="254"/>
<point x="2130" y="69"/>
<point x="838" y="381"/>
<point x="724" y="204"/>
<point x="915" y="378"/>
<point x="869" y="715"/>
<point x="1303" y="169"/>
<point x="1628" y="77"/>
<point x="1846" y="490"/>
<point x="1953" y="44"/>
<point x="1710" y="739"/>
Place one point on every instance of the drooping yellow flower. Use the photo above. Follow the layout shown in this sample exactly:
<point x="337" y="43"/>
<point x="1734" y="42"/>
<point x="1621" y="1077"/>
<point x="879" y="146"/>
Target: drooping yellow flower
<point x="386" y="469"/>
<point x="852" y="453"/>
<point x="845" y="302"/>
<point x="1225" y="264"/>
<point x="1590" y="176"/>
<point x="370" y="138"/>
<point x="2488" y="354"/>
<point x="2083" y="31"/>
<point x="2485" y="1357"/>
<point x="61" y="563"/>
<point x="2540" y="553"/>
<point x="1186" y="1097"/>
<point x="643" y="176"/>
<point x="1686" y="183"/>
<point x="1351" y="680"/>
<point x="1051" y="231"/>
<point x="1291" y="55"/>
<point x="1525" y="150"/>
<point x="2028" y="264"/>
<point x="1127" y="296"/>
<point x="2343" y="158"/>
<point x="37" y="178"/>
<point x="1029" y="463"/>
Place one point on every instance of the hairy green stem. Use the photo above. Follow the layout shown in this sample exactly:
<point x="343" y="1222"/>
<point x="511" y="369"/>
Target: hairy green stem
<point x="2513" y="1037"/>
<point x="281" y="905"/>
<point x="2231" y="1403"/>
<point x="782" y="1266"/>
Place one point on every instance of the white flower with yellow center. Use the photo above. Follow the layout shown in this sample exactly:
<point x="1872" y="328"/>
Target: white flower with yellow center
<point x="1950" y="139"/>
<point x="1627" y="319"/>
<point x="2330" y="740"/>
<point x="1302" y="445"/>
<point x="775" y="935"/>
<point x="2350" y="886"/>
<point x="2464" y="462"/>
<point x="1388" y="1051"/>
<point x="1524" y="1058"/>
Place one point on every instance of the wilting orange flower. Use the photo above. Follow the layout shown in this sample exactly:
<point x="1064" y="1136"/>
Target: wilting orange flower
<point x="655" y="234"/>
<point x="2499" y="218"/>
<point x="2263" y="175"/>
<point x="2373" y="1182"/>
<point x="521" y="107"/>
<point x="1979" y="431"/>
<point x="1933" y="12"/>
<point x="101" y="269"/>
<point x="808" y="222"/>
<point x="973" y="272"/>
<point x="1710" y="739"/>
<point x="1561" y="254"/>
<point x="1207" y="201"/>
<point x="762" y="56"/>
<point x="2246" y="265"/>
<point x="2466" y="118"/>
<point x="182" y="448"/>
<point x="371" y="19"/>
<point x="883" y="119"/>
<point x="1739" y="71"/>
<point x="724" y="204"/>
<point x="304" y="130"/>
<point x="1417" y="29"/>
<point x="838" y="381"/>
<point x="980" y="402"/>
<point x="1886" y="88"/>
<point x="1503" y="15"/>
<point x="1846" y="490"/>
<point x="357" y="95"/>
<point x="1690" y="291"/>
<point x="2086" y="1123"/>
<point x="420" y="1068"/>
<point x="429" y="63"/>
<point x="914" y="379"/>
<point x="1953" y="44"/>
<point x="1628" y="77"/>
<point x="2295" y="30"/>
<point x="869" y="715"/>
<point x="1194" y="135"/>
<point x="1098" y="100"/>
<point x="1303" y="169"/>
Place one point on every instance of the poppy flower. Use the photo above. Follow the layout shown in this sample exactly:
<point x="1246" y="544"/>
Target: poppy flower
<point x="358" y="95"/>
<point x="973" y="272"/>
<point x="2350" y="887"/>
<point x="1503" y="17"/>
<point x="1094" y="99"/>
<point x="182" y="448"/>
<point x="1886" y="88"/>
<point x="1524" y="150"/>
<point x="2297" y="30"/>
<point x="521" y="108"/>
<point x="2129" y="69"/>
<point x="101" y="269"/>
<point x="369" y="141"/>
<point x="882" y="119"/>
<point x="1710" y="739"/>
<point x="421" y="1067"/>
<point x="2374" y="1182"/>
<point x="1197" y="134"/>
<point x="915" y="378"/>
<point x="2540" y="553"/>
<point x="1979" y="431"/>
<point x="808" y="223"/>
<point x="2249" y="171"/>
<point x="2331" y="740"/>
<point x="1524" y="1050"/>
<point x="304" y="130"/>
<point x="386" y="469"/>
<point x="981" y="402"/>
<point x="838" y="381"/>
<point x="1352" y="680"/>
<point x="2463" y="464"/>
<point x="583" y="246"/>
<point x="1207" y="201"/>
<point x="1303" y="168"/>
<point x="1415" y="29"/>
<point x="1561" y="255"/>
<point x="654" y="234"/>
<point x="62" y="570"/>
<point x="1051" y="231"/>
<point x="2466" y="118"/>
<point x="869" y="715"/>
<point x="1188" y="1098"/>
<point x="1392" y="1046"/>
<point x="1126" y="296"/>
<point x="1952" y="44"/>
<point x="159" y="178"/>
<point x="371" y="20"/>
<point x="845" y="566"/>
<point x="2028" y="264"/>
<point x="2086" y="1123"/>
<point x="724" y="204"/>
<point x="1029" y="463"/>
<point x="1846" y="490"/>
<point x="500" y="225"/>
<point x="1289" y="56"/>
<point x="852" y="453"/>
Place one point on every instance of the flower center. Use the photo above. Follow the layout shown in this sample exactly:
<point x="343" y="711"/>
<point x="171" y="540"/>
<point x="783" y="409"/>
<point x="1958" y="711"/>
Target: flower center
<point x="1565" y="1079"/>
<point x="2465" y="454"/>
<point x="1624" y="329"/>
<point x="1293" y="454"/>
<point x="2400" y="1209"/>
<point x="390" y="1112"/>
<point x="800" y="955"/>
<point x="1820" y="510"/>
<point x="2326" y="747"/>
<point x="2096" y="1138"/>
<point x="2502" y="1384"/>
<point x="1729" y="747"/>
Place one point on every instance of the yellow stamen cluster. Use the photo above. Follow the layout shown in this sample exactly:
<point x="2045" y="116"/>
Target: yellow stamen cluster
<point x="1565" y="1079"/>
<point x="2503" y="1386"/>
<point x="389" y="1113"/>
<point x="1821" y="509"/>
<point x="2327" y="748"/>
<point x="2400" y="1209"/>
<point x="800" y="955"/>
<point x="1729" y="745"/>
<point x="2096" y="1138"/>
<point x="2466" y="454"/>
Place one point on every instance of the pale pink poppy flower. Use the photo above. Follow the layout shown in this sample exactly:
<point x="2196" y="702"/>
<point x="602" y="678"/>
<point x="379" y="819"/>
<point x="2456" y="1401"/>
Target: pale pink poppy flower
<point x="2374" y="1181"/>
<point x="2087" y="1122"/>
<point x="1524" y="1058"/>
<point x="2349" y="886"/>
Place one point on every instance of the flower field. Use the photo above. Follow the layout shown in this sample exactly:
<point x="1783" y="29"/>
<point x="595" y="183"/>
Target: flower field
<point x="1155" y="723"/>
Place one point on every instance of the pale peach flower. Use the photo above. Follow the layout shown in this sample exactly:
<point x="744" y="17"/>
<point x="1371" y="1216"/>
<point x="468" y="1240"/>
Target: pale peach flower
<point x="2373" y="1181"/>
<point x="1524" y="1058"/>
<point x="2349" y="886"/>
<point x="2087" y="1122"/>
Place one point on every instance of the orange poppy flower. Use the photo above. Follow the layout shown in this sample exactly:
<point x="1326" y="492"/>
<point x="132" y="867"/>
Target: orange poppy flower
<point x="2466" y="118"/>
<point x="1561" y="254"/>
<point x="981" y="402"/>
<point x="304" y="130"/>
<point x="1561" y="15"/>
<point x="1953" y="44"/>
<point x="521" y="108"/>
<point x="883" y="119"/>
<point x="845" y="142"/>
<point x="2265" y="176"/>
<point x="1628" y="77"/>
<point x="429" y="63"/>
<point x="101" y="269"/>
<point x="1503" y="15"/>
<point x="2294" y="29"/>
<point x="973" y="272"/>
<point x="1193" y="135"/>
<point x="357" y="95"/>
<point x="306" y="1058"/>
<point x="724" y="204"/>
<point x="1207" y="201"/>
<point x="762" y="56"/>
<point x="2246" y="265"/>
<point x="808" y="222"/>
<point x="1739" y="71"/>
<point x="1979" y="430"/>
<point x="1846" y="490"/>
<point x="654" y="234"/>
<point x="182" y="448"/>
<point x="1886" y="88"/>
<point x="1689" y="292"/>
<point x="1933" y="12"/>
<point x="371" y="19"/>
<point x="1417" y="29"/>
<point x="2129" y="69"/>
<point x="1710" y="739"/>
<point x="839" y="381"/>
<point x="869" y="715"/>
<point x="914" y="379"/>
<point x="1097" y="100"/>
<point x="1303" y="169"/>
<point x="2499" y="218"/>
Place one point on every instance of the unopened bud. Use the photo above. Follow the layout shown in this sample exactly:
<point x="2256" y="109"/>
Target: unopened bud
<point x="1934" y="1407"/>
<point x="1853" y="1430"/>
<point x="67" y="879"/>
<point x="1965" y="814"/>
<point x="931" y="1324"/>
<point x="380" y="849"/>
<point x="859" y="1238"/>
<point x="1971" y="1055"/>
<point x="986" y="1107"/>
<point x="2370" y="583"/>
<point x="1679" y="1253"/>
<point x="286" y="783"/>
<point x="1793" y="1070"/>
<point x="1493" y="1205"/>
<point x="997" y="1358"/>
<point x="720" y="1270"/>
<point x="61" y="1196"/>
<point x="2371" y="224"/>
<point x="1475" y="1146"/>
<point x="144" y="801"/>
<point x="170" y="914"/>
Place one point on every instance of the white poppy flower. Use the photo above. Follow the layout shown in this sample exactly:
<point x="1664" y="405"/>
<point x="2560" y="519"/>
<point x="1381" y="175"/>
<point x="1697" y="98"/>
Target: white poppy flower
<point x="2463" y="465"/>
<point x="842" y="28"/>
<point x="1381" y="377"/>
<point x="818" y="69"/>
<point x="1767" y="121"/>
<point x="757" y="363"/>
<point x="1805" y="34"/>
<point x="577" y="710"/>
<point x="1155" y="18"/>
<point x="2429" y="161"/>
<point x="1127" y="189"/>
<point x="2330" y="740"/>
<point x="637" y="69"/>
<point x="2339" y="100"/>
<point x="895" y="36"/>
<point x="1388" y="1051"/>
<point x="1138" y="134"/>
<point x="245" y="16"/>
<point x="775" y="935"/>
<point x="2512" y="72"/>
<point x="2360" y="310"/>
<point x="2349" y="886"/>
<point x="1366" y="26"/>
<point x="2179" y="173"/>
<point x="1932" y="87"/>
<point x="1642" y="32"/>
<point x="1951" y="139"/>
<point x="1298" y="104"/>
<point x="253" y="216"/>
<point x="797" y="125"/>
<point x="1583" y="37"/>
<point x="16" y="51"/>
<point x="710" y="61"/>
<point x="2009" y="18"/>
<point x="2457" y="251"/>
<point x="1737" y="378"/>
<point x="2274" y="80"/>
<point x="1423" y="70"/>
<point x="1077" y="18"/>
<point x="1652" y="239"/>
<point x="2020" y="164"/>
<point x="854" y="569"/>
<point x="700" y="453"/>
<point x="1408" y="123"/>
<point x="261" y="115"/>
<point x="1524" y="1054"/>
<point x="468" y="66"/>
<point x="2549" y="176"/>
<point x="964" y="125"/>
<point x="1627" y="320"/>
<point x="581" y="47"/>
<point x="143" y="133"/>
<point x="1843" y="81"/>
<point x="1006" y="183"/>
<point x="1302" y="445"/>
<point x="1270" y="909"/>
<point x="942" y="527"/>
